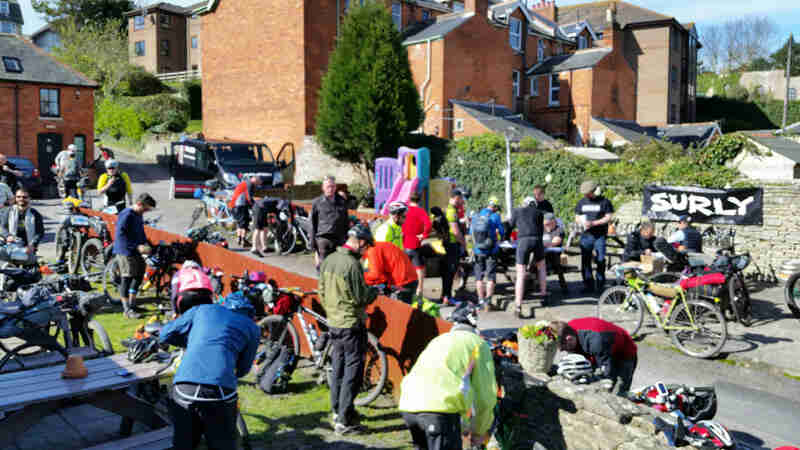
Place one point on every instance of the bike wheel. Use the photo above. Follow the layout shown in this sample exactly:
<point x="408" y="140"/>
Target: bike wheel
<point x="198" y="212"/>
<point x="623" y="307"/>
<point x="275" y="326"/>
<point x="244" y="434"/>
<point x="698" y="329"/>
<point x="62" y="239"/>
<point x="791" y="294"/>
<point x="739" y="298"/>
<point x="92" y="258"/>
<point x="375" y="372"/>
<point x="112" y="282"/>
<point x="288" y="240"/>
<point x="74" y="252"/>
<point x="666" y="277"/>
<point x="95" y="337"/>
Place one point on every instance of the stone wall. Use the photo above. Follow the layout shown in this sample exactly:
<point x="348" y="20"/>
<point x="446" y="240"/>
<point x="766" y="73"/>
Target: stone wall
<point x="774" y="242"/>
<point x="554" y="414"/>
<point x="312" y="164"/>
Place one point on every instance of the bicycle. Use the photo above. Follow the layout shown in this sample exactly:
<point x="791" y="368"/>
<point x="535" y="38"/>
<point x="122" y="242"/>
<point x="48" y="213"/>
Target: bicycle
<point x="791" y="294"/>
<point x="214" y="210"/>
<point x="279" y="329"/>
<point x="687" y="321"/>
<point x="96" y="252"/>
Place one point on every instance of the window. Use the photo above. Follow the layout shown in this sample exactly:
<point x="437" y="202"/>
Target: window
<point x="426" y="15"/>
<point x="555" y="89"/>
<point x="458" y="125"/>
<point x="515" y="33"/>
<point x="12" y="64"/>
<point x="49" y="103"/>
<point x="792" y="94"/>
<point x="138" y="22"/>
<point x="165" y="47"/>
<point x="165" y="20"/>
<point x="599" y="36"/>
<point x="515" y="83"/>
<point x="80" y="145"/>
<point x="540" y="51"/>
<point x="8" y="27"/>
<point x="4" y="9"/>
<point x="138" y="48"/>
<point x="582" y="42"/>
<point x="195" y="42"/>
<point x="458" y="6"/>
<point x="397" y="15"/>
<point x="534" y="85"/>
<point x="673" y="113"/>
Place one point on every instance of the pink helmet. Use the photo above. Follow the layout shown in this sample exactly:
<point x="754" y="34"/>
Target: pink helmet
<point x="257" y="277"/>
<point x="193" y="279"/>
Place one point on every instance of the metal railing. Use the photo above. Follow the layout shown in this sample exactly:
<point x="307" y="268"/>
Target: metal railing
<point x="179" y="76"/>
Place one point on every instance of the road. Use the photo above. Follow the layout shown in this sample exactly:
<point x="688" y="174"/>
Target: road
<point x="758" y="407"/>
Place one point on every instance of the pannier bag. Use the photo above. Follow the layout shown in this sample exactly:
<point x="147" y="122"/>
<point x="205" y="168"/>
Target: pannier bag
<point x="35" y="309"/>
<point x="276" y="370"/>
<point x="709" y="285"/>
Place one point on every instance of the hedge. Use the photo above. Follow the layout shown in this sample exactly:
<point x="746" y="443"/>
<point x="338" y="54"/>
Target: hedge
<point x="130" y="117"/>
<point x="744" y="115"/>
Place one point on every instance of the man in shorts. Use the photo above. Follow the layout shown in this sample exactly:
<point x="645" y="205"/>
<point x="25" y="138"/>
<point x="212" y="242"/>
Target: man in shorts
<point x="130" y="243"/>
<point x="486" y="254"/>
<point x="528" y="221"/>
<point x="261" y="211"/>
<point x="416" y="227"/>
<point x="240" y="204"/>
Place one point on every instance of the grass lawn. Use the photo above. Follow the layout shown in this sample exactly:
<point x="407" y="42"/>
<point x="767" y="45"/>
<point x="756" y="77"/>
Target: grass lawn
<point x="300" y="418"/>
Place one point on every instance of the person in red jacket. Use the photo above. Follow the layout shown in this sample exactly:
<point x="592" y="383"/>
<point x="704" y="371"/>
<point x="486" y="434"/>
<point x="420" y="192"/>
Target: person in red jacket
<point x="240" y="204"/>
<point x="416" y="227"/>
<point x="387" y="264"/>
<point x="609" y="347"/>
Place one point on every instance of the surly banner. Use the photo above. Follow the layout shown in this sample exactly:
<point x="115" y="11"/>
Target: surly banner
<point x="729" y="206"/>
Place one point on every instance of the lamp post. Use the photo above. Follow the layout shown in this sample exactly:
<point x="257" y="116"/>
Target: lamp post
<point x="508" y="171"/>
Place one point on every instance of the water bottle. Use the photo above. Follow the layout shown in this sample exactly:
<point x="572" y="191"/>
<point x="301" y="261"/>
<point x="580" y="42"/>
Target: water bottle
<point x="652" y="303"/>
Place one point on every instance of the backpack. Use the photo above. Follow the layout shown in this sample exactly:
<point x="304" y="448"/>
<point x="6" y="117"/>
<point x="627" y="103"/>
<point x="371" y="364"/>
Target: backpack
<point x="439" y="223"/>
<point x="481" y="232"/>
<point x="274" y="373"/>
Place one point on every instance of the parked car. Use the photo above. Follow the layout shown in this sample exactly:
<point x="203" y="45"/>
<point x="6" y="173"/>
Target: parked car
<point x="30" y="179"/>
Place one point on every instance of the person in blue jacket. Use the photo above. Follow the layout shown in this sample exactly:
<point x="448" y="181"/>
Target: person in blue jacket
<point x="486" y="254"/>
<point x="221" y="344"/>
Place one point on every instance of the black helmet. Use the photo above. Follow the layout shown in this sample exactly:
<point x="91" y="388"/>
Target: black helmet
<point x="361" y="231"/>
<point x="397" y="208"/>
<point x="143" y="350"/>
<point x="466" y="314"/>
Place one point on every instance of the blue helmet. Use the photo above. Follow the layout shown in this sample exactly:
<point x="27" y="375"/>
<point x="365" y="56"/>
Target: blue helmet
<point x="236" y="301"/>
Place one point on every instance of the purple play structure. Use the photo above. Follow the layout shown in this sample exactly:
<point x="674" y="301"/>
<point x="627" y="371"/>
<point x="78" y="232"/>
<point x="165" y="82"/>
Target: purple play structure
<point x="386" y="169"/>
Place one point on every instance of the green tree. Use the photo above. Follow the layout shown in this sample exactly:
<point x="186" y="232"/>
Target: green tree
<point x="83" y="12"/>
<point x="97" y="50"/>
<point x="780" y="57"/>
<point x="761" y="64"/>
<point x="368" y="101"/>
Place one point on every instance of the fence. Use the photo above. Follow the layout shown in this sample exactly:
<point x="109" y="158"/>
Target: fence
<point x="179" y="76"/>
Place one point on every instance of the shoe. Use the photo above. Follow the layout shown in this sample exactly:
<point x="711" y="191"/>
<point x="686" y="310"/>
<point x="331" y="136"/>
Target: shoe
<point x="257" y="253"/>
<point x="138" y="309"/>
<point x="131" y="314"/>
<point x="334" y="419"/>
<point x="342" y="429"/>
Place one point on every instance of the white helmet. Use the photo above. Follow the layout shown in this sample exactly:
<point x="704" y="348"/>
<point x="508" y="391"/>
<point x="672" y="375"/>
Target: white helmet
<point x="711" y="429"/>
<point x="189" y="264"/>
<point x="573" y="366"/>
<point x="71" y="147"/>
<point x="112" y="163"/>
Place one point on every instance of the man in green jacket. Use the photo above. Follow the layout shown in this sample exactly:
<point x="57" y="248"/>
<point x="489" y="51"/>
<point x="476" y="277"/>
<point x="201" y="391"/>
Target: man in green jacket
<point x="451" y="387"/>
<point x="345" y="296"/>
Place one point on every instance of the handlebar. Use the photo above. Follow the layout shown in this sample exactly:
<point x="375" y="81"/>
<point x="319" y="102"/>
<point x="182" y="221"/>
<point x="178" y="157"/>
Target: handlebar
<point x="298" y="291"/>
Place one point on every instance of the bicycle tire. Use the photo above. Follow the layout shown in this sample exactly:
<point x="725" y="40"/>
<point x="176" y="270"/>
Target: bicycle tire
<point x="92" y="256"/>
<point x="62" y="235"/>
<point x="275" y="323"/>
<point x="666" y="277"/>
<point x="704" y="314"/>
<point x="739" y="300"/>
<point x="74" y="252"/>
<point x="112" y="279"/>
<point x="372" y="386"/>
<point x="244" y="433"/>
<point x="93" y="334"/>
<point x="791" y="294"/>
<point x="288" y="240"/>
<point x="197" y="212"/>
<point x="609" y="308"/>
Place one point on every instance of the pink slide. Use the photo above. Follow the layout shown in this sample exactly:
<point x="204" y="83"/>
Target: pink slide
<point x="401" y="192"/>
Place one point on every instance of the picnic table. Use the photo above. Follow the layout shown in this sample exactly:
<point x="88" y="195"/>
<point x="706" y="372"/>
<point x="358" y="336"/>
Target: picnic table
<point x="28" y="396"/>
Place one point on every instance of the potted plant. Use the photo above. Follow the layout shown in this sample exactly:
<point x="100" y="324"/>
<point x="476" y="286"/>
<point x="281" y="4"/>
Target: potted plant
<point x="537" y="347"/>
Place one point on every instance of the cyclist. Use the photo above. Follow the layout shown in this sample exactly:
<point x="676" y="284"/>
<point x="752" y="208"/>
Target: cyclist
<point x="487" y="226"/>
<point x="455" y="248"/>
<point x="189" y="286"/>
<point x="22" y="225"/>
<point x="416" y="227"/>
<point x="391" y="230"/>
<point x="130" y="243"/>
<point x="9" y="172"/>
<point x="640" y="242"/>
<point x="529" y="221"/>
<point x="6" y="195"/>
<point x="594" y="212"/>
<point x="605" y="344"/>
<point x="240" y="204"/>
<point x="328" y="221"/>
<point x="221" y="344"/>
<point x="345" y="296"/>
<point x="115" y="184"/>
<point x="451" y="383"/>
<point x="69" y="171"/>
<point x="687" y="238"/>
<point x="390" y="266"/>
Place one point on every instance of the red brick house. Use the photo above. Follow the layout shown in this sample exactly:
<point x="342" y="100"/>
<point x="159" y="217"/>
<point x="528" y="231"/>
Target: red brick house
<point x="44" y="105"/>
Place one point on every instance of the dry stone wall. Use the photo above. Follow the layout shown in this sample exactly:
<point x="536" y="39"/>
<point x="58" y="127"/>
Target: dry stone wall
<point x="772" y="243"/>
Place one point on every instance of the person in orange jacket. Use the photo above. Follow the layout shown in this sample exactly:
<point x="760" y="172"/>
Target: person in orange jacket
<point x="389" y="265"/>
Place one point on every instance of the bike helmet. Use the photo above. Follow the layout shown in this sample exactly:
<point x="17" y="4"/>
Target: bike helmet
<point x="528" y="201"/>
<point x="189" y="264"/>
<point x="493" y="201"/>
<point x="466" y="314"/>
<point x="112" y="164"/>
<point x="143" y="350"/>
<point x="574" y="366"/>
<point x="212" y="184"/>
<point x="239" y="303"/>
<point x="361" y="231"/>
<point x="700" y="404"/>
<point x="257" y="277"/>
<point x="710" y="431"/>
<point x="397" y="208"/>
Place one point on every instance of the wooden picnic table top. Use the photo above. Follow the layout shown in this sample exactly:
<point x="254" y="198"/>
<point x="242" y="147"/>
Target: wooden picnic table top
<point x="29" y="387"/>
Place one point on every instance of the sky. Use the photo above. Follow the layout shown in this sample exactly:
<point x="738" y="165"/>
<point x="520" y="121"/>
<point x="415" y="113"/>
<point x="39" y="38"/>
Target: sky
<point x="785" y="13"/>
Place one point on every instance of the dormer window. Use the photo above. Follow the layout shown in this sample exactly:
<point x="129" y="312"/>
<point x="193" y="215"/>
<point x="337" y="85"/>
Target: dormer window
<point x="540" y="50"/>
<point x="12" y="65"/>
<point x="138" y="22"/>
<point x="5" y="10"/>
<point x="582" y="42"/>
<point x="515" y="33"/>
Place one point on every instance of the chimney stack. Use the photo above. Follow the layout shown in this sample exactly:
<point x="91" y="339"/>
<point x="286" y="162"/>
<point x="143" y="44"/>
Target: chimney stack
<point x="545" y="8"/>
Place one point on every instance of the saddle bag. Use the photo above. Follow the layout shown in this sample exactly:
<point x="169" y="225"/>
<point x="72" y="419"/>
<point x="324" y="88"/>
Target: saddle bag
<point x="708" y="285"/>
<point x="276" y="370"/>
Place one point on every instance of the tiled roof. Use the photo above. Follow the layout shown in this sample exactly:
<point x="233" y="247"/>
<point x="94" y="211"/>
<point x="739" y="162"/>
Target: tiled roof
<point x="688" y="134"/>
<point x="37" y="66"/>
<point x="573" y="29"/>
<point x="439" y="28"/>
<point x="497" y="118"/>
<point x="778" y="144"/>
<point x="581" y="59"/>
<point x="14" y="13"/>
<point x="501" y="11"/>
<point x="595" y="14"/>
<point x="629" y="130"/>
<point x="164" y="6"/>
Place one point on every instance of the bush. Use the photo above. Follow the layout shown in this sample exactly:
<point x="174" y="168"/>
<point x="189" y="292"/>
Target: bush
<point x="737" y="92"/>
<point x="528" y="144"/>
<point x="723" y="149"/>
<point x="161" y="113"/>
<point x="362" y="193"/>
<point x="140" y="82"/>
<point x="192" y="91"/>
<point x="118" y="120"/>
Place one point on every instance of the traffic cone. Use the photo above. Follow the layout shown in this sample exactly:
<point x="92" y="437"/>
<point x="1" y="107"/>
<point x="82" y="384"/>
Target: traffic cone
<point x="75" y="368"/>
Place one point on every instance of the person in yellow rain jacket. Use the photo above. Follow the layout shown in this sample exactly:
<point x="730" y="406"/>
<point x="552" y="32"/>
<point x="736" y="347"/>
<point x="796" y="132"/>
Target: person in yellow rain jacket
<point x="391" y="230"/>
<point x="451" y="387"/>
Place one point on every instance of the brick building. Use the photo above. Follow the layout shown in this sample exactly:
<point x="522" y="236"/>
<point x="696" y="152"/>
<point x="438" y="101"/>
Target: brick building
<point x="165" y="38"/>
<point x="11" y="20"/>
<point x="44" y="105"/>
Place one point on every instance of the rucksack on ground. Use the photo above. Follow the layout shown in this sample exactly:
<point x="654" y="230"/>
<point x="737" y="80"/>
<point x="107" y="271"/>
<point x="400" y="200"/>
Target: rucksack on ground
<point x="274" y="373"/>
<point x="480" y="232"/>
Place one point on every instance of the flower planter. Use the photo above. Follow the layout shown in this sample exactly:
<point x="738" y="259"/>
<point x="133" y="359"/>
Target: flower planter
<point x="536" y="358"/>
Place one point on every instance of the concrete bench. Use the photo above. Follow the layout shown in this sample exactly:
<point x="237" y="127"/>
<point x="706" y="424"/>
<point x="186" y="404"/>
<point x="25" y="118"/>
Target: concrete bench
<point x="160" y="439"/>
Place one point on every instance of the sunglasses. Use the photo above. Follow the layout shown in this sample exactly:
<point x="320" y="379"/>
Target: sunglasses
<point x="22" y="196"/>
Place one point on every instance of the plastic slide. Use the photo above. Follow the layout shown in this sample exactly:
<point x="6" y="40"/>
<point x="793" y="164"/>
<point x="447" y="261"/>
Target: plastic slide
<point x="401" y="192"/>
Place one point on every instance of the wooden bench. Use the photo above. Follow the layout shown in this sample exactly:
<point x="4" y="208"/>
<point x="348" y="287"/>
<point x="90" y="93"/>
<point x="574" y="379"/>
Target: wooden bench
<point x="160" y="439"/>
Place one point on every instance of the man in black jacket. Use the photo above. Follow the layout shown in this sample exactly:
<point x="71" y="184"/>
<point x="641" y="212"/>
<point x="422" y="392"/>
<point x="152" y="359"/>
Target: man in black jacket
<point x="328" y="221"/>
<point x="687" y="237"/>
<point x="640" y="242"/>
<point x="528" y="221"/>
<point x="22" y="224"/>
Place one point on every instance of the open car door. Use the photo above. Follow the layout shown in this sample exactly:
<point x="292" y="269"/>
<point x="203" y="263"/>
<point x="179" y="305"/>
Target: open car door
<point x="285" y="162"/>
